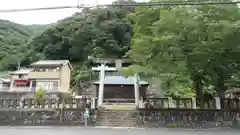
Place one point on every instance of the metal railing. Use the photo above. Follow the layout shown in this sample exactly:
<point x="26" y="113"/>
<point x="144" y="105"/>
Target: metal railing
<point x="42" y="103"/>
<point x="26" y="89"/>
<point x="118" y="100"/>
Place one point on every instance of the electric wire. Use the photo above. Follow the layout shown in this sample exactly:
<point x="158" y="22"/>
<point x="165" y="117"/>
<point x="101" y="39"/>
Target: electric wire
<point x="147" y="4"/>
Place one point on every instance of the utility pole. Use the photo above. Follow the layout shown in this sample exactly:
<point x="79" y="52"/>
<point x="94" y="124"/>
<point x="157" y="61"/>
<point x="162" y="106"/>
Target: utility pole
<point x="96" y="2"/>
<point x="18" y="67"/>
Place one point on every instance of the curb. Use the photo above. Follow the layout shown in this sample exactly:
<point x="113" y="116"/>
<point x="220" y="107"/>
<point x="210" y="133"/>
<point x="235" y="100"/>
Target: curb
<point x="117" y="127"/>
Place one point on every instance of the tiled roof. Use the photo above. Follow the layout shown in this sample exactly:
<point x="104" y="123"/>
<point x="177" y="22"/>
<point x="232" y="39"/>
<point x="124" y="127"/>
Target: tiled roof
<point x="51" y="62"/>
<point x="22" y="71"/>
<point x="5" y="79"/>
<point x="120" y="80"/>
<point x="106" y="68"/>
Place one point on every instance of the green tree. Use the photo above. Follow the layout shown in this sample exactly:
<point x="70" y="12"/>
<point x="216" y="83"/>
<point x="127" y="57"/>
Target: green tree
<point x="187" y="42"/>
<point x="40" y="96"/>
<point x="13" y="40"/>
<point x="98" y="32"/>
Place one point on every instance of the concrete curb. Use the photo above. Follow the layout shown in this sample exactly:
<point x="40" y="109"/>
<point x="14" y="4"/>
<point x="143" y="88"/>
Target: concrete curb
<point x="117" y="127"/>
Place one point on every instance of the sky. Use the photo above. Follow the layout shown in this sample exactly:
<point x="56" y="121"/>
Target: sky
<point x="42" y="17"/>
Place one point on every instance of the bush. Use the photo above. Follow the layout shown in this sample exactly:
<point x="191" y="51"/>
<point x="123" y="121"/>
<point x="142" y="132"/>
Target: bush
<point x="40" y="95"/>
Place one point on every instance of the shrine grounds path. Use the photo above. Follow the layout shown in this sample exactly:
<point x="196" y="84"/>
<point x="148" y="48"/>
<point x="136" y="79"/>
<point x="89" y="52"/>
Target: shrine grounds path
<point x="108" y="131"/>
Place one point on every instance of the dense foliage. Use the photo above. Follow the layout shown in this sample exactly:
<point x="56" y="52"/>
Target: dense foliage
<point x="13" y="38"/>
<point x="98" y="32"/>
<point x="189" y="46"/>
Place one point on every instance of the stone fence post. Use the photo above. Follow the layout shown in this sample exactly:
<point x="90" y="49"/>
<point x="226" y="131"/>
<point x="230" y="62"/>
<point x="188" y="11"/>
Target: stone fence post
<point x="141" y="103"/>
<point x="194" y="105"/>
<point x="21" y="104"/>
<point x="93" y="103"/>
<point x="217" y="102"/>
<point x="170" y="102"/>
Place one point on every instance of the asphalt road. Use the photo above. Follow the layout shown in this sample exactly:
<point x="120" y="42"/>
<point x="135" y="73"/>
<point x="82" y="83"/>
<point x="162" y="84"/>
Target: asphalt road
<point x="106" y="131"/>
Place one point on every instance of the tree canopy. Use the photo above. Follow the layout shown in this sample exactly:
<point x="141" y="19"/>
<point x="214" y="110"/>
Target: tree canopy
<point x="188" y="46"/>
<point x="98" y="32"/>
<point x="13" y="38"/>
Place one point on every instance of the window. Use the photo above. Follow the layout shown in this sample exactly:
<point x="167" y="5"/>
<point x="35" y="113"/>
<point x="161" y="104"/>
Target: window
<point x="47" y="69"/>
<point x="47" y="85"/>
<point x="55" y="84"/>
<point x="112" y="73"/>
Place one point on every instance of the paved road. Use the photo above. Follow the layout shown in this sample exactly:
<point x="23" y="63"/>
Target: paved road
<point x="98" y="131"/>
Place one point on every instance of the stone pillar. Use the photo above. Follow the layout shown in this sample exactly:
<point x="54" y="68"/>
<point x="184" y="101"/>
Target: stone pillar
<point x="217" y="102"/>
<point x="11" y="84"/>
<point x="93" y="104"/>
<point x="170" y="102"/>
<point x="31" y="86"/>
<point x="194" y="105"/>
<point x="21" y="104"/>
<point x="136" y="90"/>
<point x="101" y="85"/>
<point x="141" y="104"/>
<point x="118" y="63"/>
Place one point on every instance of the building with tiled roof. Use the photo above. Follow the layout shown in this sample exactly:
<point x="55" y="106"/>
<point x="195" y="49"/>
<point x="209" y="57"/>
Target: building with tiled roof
<point x="50" y="75"/>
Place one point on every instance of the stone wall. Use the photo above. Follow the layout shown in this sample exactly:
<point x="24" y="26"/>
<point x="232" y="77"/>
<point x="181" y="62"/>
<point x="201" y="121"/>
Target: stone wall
<point x="160" y="113"/>
<point x="44" y="117"/>
<point x="187" y="118"/>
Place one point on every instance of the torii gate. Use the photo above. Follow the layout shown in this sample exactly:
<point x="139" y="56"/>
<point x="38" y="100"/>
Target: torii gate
<point x="118" y="64"/>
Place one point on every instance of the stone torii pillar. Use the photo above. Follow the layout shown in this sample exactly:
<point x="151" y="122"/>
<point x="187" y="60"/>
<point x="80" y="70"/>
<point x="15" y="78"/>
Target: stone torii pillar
<point x="101" y="85"/>
<point x="136" y="90"/>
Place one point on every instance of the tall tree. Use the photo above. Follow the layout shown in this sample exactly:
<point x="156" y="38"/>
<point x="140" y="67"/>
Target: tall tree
<point x="189" y="41"/>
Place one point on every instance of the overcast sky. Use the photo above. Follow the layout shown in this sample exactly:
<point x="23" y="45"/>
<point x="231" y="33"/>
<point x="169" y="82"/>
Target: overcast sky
<point x="42" y="17"/>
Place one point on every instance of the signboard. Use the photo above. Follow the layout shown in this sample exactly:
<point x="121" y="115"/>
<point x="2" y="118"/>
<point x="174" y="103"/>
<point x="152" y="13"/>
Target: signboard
<point x="86" y="115"/>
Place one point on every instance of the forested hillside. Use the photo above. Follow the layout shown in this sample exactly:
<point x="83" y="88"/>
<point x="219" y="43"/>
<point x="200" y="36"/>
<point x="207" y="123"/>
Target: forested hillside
<point x="13" y="38"/>
<point x="99" y="32"/>
<point x="36" y="29"/>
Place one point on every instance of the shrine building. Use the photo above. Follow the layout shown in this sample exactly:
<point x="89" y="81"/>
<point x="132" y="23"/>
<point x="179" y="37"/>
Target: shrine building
<point x="113" y="87"/>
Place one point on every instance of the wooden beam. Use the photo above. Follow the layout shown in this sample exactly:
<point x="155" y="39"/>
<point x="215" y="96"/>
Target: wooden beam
<point x="108" y="60"/>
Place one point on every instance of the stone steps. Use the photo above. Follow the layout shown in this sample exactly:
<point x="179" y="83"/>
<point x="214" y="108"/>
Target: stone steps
<point x="120" y="107"/>
<point x="120" y="118"/>
<point x="116" y="125"/>
<point x="117" y="121"/>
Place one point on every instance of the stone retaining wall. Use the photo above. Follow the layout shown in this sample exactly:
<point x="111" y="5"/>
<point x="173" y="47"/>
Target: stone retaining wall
<point x="31" y="117"/>
<point x="187" y="118"/>
<point x="157" y="118"/>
